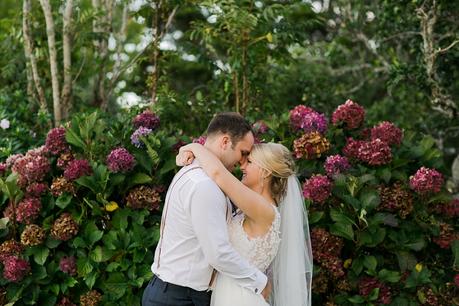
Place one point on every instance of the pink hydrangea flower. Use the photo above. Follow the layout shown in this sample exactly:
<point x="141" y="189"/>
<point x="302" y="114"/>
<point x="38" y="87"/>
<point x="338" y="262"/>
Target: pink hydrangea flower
<point x="367" y="284"/>
<point x="387" y="132"/>
<point x="77" y="168"/>
<point x="12" y="159"/>
<point x="426" y="180"/>
<point x="451" y="209"/>
<point x="55" y="141"/>
<point x="65" y="301"/>
<point x="314" y="121"/>
<point x="176" y="147"/>
<point x="456" y="280"/>
<point x="15" y="269"/>
<point x="120" y="160"/>
<point x="68" y="265"/>
<point x="200" y="140"/>
<point x="146" y="119"/>
<point x="260" y="127"/>
<point x="31" y="169"/>
<point x="28" y="210"/>
<point x="351" y="149"/>
<point x="317" y="188"/>
<point x="297" y="114"/>
<point x="39" y="151"/>
<point x="36" y="189"/>
<point x="375" y="152"/>
<point x="3" y="168"/>
<point x="350" y="113"/>
<point x="336" y="164"/>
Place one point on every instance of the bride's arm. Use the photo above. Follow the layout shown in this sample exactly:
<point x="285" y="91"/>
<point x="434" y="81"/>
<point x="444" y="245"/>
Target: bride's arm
<point x="251" y="203"/>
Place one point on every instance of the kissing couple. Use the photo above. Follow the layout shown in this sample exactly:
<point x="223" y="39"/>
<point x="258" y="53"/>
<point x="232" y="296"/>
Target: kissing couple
<point x="225" y="242"/>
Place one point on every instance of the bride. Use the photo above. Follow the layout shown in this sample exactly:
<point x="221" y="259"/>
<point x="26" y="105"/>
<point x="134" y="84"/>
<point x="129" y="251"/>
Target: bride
<point x="270" y="227"/>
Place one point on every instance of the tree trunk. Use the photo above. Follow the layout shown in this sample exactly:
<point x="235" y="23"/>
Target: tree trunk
<point x="441" y="100"/>
<point x="155" y="46"/>
<point x="28" y="50"/>
<point x="67" y="47"/>
<point x="52" y="60"/>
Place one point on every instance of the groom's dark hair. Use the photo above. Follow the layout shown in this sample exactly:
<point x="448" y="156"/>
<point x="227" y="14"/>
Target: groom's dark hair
<point x="229" y="123"/>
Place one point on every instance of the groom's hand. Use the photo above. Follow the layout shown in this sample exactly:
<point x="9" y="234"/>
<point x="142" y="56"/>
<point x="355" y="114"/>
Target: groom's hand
<point x="267" y="291"/>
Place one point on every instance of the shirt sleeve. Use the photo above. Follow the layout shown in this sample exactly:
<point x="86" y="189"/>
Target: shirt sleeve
<point x="208" y="218"/>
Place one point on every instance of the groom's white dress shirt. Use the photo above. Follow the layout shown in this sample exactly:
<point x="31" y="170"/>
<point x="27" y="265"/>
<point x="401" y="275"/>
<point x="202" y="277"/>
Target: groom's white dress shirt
<point x="195" y="240"/>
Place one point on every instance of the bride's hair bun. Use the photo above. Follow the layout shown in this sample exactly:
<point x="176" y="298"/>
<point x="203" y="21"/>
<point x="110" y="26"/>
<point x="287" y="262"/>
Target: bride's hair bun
<point x="278" y="160"/>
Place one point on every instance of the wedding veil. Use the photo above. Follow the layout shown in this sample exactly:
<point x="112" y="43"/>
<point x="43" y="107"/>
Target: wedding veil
<point x="292" y="266"/>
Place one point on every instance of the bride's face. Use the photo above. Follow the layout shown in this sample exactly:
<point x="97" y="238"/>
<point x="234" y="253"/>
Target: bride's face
<point x="251" y="174"/>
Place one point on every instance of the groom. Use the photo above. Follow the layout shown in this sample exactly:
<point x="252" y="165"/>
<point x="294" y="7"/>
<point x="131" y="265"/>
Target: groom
<point x="193" y="235"/>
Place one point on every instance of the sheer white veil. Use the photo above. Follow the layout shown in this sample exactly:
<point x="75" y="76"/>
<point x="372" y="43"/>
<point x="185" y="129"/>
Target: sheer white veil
<point x="292" y="266"/>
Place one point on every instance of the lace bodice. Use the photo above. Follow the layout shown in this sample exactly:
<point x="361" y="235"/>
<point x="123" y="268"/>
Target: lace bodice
<point x="259" y="251"/>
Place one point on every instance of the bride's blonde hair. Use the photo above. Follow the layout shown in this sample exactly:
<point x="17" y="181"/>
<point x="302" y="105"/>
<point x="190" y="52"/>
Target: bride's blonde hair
<point x="276" y="159"/>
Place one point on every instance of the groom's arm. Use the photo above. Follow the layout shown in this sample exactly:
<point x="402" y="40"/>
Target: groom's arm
<point x="208" y="218"/>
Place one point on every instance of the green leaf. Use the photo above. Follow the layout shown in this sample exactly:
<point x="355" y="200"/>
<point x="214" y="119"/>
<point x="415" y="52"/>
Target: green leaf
<point x="117" y="179"/>
<point x="100" y="255"/>
<point x="90" y="279"/>
<point x="369" y="199"/>
<point x="315" y="216"/>
<point x="115" y="285"/>
<point x="40" y="254"/>
<point x="79" y="242"/>
<point x="373" y="294"/>
<point x="356" y="299"/>
<point x="64" y="200"/>
<point x="342" y="230"/>
<point x="385" y="174"/>
<point x="370" y="262"/>
<point x="84" y="266"/>
<point x="357" y="265"/>
<point x="168" y="166"/>
<point x="72" y="138"/>
<point x="88" y="182"/>
<point x="416" y="245"/>
<point x="4" y="223"/>
<point x="389" y="276"/>
<point x="343" y="225"/>
<point x="406" y="260"/>
<point x="120" y="219"/>
<point x="455" y="249"/>
<point x="92" y="233"/>
<point x="139" y="178"/>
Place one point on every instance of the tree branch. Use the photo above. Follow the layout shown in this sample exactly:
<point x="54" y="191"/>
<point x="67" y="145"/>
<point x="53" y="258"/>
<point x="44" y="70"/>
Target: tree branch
<point x="52" y="60"/>
<point x="28" y="50"/>
<point x="67" y="47"/>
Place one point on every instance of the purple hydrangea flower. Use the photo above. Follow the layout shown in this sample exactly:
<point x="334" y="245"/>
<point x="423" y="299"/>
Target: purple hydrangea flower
<point x="317" y="188"/>
<point x="336" y="164"/>
<point x="120" y="160"/>
<point x="147" y="119"/>
<point x="68" y="265"/>
<point x="426" y="180"/>
<point x="140" y="132"/>
<point x="15" y="269"/>
<point x="350" y="113"/>
<point x="55" y="141"/>
<point x="77" y="168"/>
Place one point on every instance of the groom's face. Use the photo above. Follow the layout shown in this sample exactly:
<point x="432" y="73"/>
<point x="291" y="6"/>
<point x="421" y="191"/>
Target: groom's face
<point x="237" y="154"/>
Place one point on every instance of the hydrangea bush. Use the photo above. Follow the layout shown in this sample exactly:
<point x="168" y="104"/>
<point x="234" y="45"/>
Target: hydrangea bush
<point x="82" y="213"/>
<point x="384" y="229"/>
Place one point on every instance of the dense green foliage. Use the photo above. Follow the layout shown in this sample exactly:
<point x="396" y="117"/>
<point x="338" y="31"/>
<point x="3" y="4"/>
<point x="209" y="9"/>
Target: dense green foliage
<point x="261" y="58"/>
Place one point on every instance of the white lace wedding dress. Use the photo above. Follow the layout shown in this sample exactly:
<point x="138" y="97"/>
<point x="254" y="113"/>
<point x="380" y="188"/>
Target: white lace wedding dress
<point x="259" y="251"/>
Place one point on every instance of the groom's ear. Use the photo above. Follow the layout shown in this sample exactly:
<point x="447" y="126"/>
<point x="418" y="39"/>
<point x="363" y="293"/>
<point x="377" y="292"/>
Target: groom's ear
<point x="225" y="142"/>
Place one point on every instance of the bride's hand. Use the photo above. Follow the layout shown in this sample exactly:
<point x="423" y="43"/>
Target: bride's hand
<point x="185" y="157"/>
